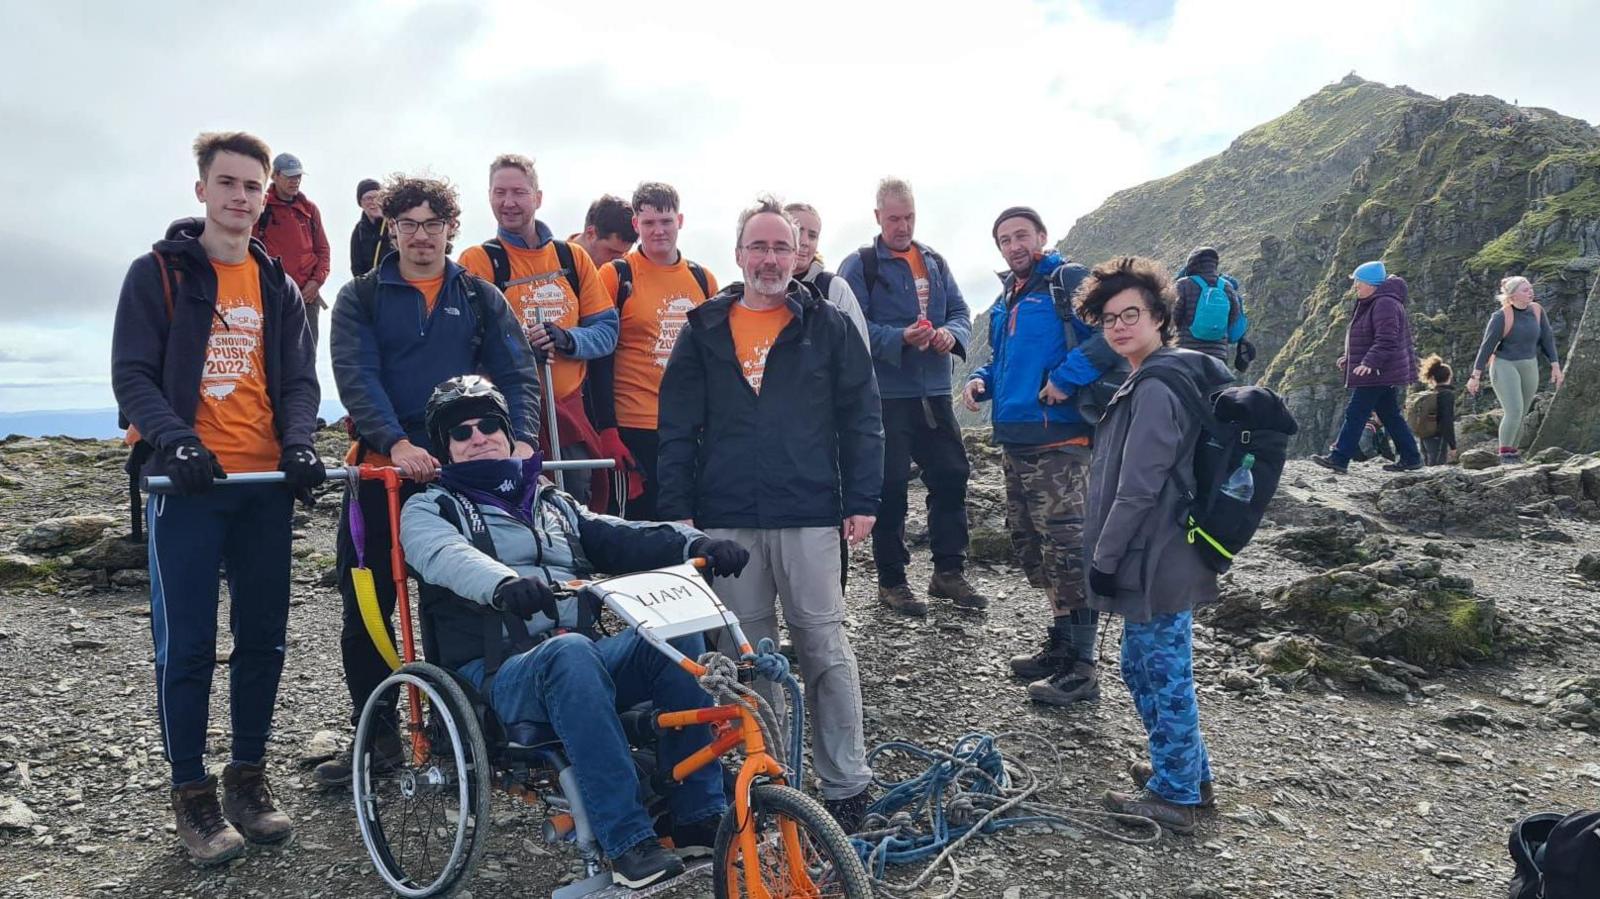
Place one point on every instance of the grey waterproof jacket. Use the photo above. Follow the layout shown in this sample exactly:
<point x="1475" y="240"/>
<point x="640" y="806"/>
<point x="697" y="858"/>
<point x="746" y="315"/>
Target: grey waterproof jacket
<point x="1140" y="481"/>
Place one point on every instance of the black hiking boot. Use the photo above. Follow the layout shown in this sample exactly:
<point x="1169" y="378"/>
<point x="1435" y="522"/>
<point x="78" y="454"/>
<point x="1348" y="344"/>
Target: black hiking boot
<point x="850" y="810"/>
<point x="1330" y="464"/>
<point x="387" y="755"/>
<point x="1080" y="682"/>
<point x="697" y="840"/>
<point x="644" y="864"/>
<point x="1402" y="466"/>
<point x="1056" y="651"/>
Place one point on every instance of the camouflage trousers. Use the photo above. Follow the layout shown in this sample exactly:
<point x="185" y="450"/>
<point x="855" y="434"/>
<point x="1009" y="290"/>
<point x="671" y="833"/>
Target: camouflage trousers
<point x="1158" y="668"/>
<point x="1045" y="493"/>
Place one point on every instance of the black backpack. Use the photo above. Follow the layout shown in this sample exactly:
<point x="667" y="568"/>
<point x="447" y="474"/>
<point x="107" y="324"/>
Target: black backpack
<point x="1234" y="422"/>
<point x="500" y="262"/>
<point x="625" y="280"/>
<point x="1556" y="857"/>
<point x="1092" y="399"/>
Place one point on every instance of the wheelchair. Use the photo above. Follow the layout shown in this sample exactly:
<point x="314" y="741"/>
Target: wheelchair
<point x="426" y="820"/>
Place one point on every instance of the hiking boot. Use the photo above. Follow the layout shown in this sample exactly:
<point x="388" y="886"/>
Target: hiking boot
<point x="850" y="810"/>
<point x="247" y="802"/>
<point x="952" y="585"/>
<point x="1056" y="652"/>
<point x="1402" y="466"/>
<point x="1068" y="686"/>
<point x="644" y="864"/>
<point x="1170" y="815"/>
<point x="387" y="755"/>
<point x="1331" y="464"/>
<point x="901" y="599"/>
<point x="697" y="840"/>
<point x="1141" y="772"/>
<point x="208" y="836"/>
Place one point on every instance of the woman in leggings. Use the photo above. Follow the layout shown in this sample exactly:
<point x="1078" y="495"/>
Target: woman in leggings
<point x="1516" y="334"/>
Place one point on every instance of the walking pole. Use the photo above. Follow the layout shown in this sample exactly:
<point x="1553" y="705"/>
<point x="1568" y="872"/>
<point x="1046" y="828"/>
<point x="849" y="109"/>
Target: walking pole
<point x="550" y="409"/>
<point x="163" y="484"/>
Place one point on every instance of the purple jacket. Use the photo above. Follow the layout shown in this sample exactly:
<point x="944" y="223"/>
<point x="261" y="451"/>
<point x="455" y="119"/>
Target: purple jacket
<point x="1380" y="338"/>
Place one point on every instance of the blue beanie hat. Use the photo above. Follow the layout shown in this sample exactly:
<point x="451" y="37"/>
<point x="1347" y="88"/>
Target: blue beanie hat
<point x="1370" y="273"/>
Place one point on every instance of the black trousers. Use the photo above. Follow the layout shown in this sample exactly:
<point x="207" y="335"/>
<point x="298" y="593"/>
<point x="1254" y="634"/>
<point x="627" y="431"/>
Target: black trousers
<point x="644" y="445"/>
<point x="923" y="430"/>
<point x="364" y="669"/>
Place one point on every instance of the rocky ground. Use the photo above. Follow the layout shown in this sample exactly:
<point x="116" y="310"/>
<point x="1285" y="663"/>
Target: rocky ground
<point x="1402" y="667"/>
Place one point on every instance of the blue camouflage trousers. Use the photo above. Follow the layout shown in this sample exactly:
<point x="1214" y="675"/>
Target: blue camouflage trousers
<point x="1158" y="668"/>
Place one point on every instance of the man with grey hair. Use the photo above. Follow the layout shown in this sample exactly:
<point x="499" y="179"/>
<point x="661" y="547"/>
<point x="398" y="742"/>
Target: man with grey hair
<point x="916" y="319"/>
<point x="783" y="466"/>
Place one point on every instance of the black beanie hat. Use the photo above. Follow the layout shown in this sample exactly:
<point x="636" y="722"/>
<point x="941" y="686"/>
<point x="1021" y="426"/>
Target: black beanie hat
<point x="365" y="185"/>
<point x="1014" y="212"/>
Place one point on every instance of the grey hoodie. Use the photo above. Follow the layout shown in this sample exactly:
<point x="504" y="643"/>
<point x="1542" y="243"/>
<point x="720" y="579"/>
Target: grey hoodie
<point x="1140" y="481"/>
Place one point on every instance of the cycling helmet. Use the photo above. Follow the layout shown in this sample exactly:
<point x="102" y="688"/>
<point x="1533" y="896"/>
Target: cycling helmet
<point x="460" y="399"/>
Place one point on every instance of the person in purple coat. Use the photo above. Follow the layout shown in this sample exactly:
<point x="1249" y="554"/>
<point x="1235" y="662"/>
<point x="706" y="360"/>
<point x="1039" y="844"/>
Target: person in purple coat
<point x="1379" y="359"/>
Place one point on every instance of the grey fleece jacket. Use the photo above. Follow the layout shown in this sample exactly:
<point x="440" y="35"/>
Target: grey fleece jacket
<point x="842" y="297"/>
<point x="1530" y="335"/>
<point x="1140" y="480"/>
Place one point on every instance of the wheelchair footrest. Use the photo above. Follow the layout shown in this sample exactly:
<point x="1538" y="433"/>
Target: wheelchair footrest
<point x="600" y="886"/>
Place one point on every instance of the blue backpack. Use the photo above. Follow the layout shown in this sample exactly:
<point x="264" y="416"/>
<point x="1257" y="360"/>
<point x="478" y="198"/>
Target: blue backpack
<point x="1211" y="310"/>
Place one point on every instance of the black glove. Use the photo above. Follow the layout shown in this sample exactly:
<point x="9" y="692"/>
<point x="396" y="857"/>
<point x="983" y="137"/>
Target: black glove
<point x="1103" y="583"/>
<point x="526" y="596"/>
<point x="302" y="471"/>
<point x="191" y="467"/>
<point x="562" y="340"/>
<point x="727" y="557"/>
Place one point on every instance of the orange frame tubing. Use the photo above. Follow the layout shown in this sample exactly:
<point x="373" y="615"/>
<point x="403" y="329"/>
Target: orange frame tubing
<point x="390" y="479"/>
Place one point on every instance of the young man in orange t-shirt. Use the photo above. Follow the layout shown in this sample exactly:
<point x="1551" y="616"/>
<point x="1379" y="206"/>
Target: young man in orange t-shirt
<point x="213" y="365"/>
<point x="554" y="290"/>
<point x="653" y="287"/>
<point x="771" y="438"/>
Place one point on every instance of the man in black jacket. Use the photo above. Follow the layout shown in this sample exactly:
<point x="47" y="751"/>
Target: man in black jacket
<point x="213" y="364"/>
<point x="779" y="464"/>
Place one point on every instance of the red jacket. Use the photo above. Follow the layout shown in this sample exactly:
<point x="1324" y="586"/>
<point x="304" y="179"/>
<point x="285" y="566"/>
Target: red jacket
<point x="292" y="231"/>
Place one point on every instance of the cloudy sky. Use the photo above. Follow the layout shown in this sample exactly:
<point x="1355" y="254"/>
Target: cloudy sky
<point x="1054" y="103"/>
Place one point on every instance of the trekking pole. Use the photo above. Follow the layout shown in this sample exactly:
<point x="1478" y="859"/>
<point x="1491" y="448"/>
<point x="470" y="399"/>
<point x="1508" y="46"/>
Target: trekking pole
<point x="550" y="407"/>
<point x="163" y="484"/>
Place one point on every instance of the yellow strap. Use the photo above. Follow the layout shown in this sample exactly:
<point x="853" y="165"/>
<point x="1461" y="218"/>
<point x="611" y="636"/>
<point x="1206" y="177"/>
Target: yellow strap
<point x="367" y="599"/>
<point x="1196" y="529"/>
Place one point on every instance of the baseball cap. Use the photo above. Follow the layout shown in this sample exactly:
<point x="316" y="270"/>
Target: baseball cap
<point x="288" y="164"/>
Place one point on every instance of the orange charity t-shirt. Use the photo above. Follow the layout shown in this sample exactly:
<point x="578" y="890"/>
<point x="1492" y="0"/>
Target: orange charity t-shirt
<point x="234" y="418"/>
<point x="539" y="286"/>
<point x="919" y="273"/>
<point x="754" y="333"/>
<point x="429" y="288"/>
<point x="657" y="308"/>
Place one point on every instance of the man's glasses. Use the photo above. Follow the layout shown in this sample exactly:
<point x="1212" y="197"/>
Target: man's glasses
<point x="1129" y="316"/>
<point x="759" y="250"/>
<point x="410" y="226"/>
<point x="463" y="433"/>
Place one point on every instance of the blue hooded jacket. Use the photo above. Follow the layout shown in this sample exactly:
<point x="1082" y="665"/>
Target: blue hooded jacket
<point x="1028" y="345"/>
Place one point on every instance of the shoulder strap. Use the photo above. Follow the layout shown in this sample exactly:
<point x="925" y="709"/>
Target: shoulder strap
<point x="367" y="293"/>
<point x="473" y="285"/>
<point x="700" y="279"/>
<point x="1187" y="391"/>
<point x="171" y="278"/>
<point x="624" y="280"/>
<point x="824" y="283"/>
<point x="869" y="266"/>
<point x="1508" y="318"/>
<point x="499" y="261"/>
<point x="477" y="531"/>
<point x="1538" y="313"/>
<point x="568" y="267"/>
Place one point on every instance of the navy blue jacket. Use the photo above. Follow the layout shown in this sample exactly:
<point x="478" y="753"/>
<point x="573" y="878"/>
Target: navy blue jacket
<point x="890" y="305"/>
<point x="388" y="359"/>
<point x="805" y="452"/>
<point x="1029" y="345"/>
<point x="156" y="363"/>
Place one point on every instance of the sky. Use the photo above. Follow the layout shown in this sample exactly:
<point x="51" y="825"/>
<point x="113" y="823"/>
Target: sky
<point x="1050" y="103"/>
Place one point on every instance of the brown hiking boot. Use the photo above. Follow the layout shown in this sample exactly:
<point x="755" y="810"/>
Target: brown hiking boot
<point x="208" y="837"/>
<point x="1141" y="772"/>
<point x="952" y="585"/>
<point x="1056" y="651"/>
<point x="1170" y="815"/>
<point x="901" y="599"/>
<point x="247" y="802"/>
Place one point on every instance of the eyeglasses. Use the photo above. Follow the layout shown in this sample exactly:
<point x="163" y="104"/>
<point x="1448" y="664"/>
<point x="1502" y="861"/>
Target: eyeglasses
<point x="410" y="226"/>
<point x="485" y="426"/>
<point x="1129" y="316"/>
<point x="758" y="250"/>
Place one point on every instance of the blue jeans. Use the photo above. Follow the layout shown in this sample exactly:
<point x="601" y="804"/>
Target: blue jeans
<point x="247" y="530"/>
<point x="568" y="682"/>
<point x="1158" y="668"/>
<point x="1386" y="402"/>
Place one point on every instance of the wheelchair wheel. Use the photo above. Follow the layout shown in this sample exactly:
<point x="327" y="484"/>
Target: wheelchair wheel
<point x="801" y="851"/>
<point x="425" y="819"/>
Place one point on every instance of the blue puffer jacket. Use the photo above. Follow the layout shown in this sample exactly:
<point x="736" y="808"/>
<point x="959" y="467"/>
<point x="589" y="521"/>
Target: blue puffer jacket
<point x="1029" y="344"/>
<point x="890" y="305"/>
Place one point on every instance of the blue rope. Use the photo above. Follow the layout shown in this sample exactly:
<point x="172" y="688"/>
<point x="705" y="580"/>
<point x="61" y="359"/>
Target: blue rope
<point x="922" y="796"/>
<point x="774" y="666"/>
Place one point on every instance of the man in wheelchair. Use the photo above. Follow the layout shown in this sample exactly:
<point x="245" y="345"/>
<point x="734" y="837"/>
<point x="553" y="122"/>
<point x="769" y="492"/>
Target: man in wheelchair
<point x="488" y="540"/>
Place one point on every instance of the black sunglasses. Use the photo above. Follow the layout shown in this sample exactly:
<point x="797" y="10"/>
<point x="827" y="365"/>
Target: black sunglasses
<point x="486" y="427"/>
